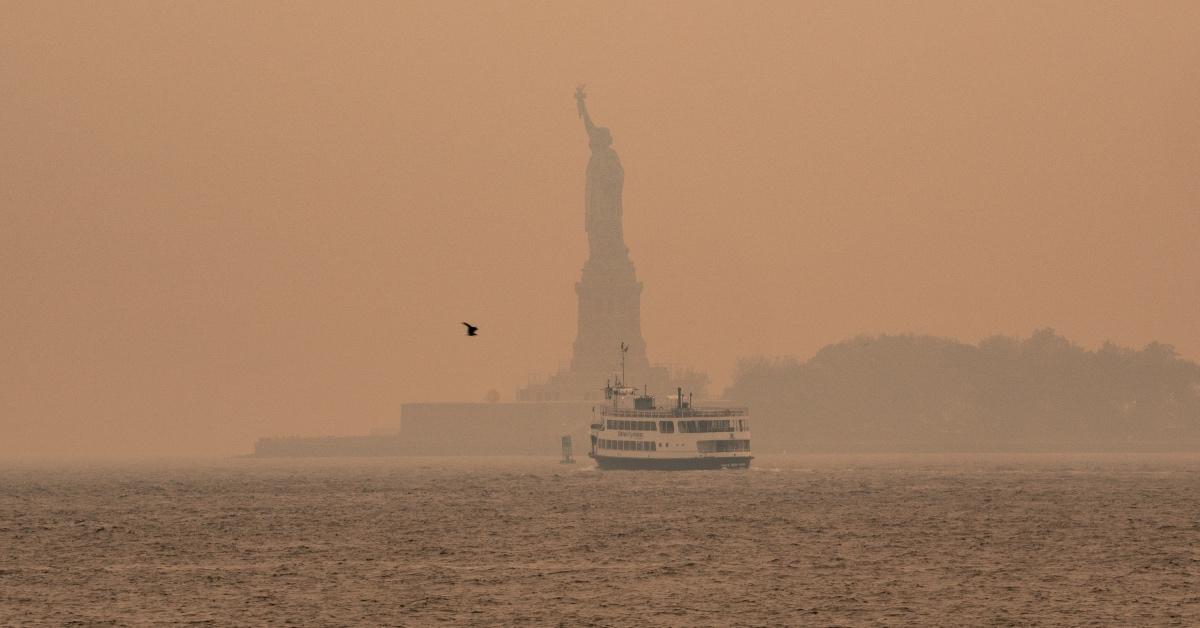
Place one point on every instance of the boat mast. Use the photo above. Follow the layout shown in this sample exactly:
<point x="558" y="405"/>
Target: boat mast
<point x="615" y="392"/>
<point x="624" y="350"/>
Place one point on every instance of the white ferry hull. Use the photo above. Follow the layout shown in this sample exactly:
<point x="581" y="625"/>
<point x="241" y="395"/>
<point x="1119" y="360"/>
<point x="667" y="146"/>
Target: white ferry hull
<point x="672" y="464"/>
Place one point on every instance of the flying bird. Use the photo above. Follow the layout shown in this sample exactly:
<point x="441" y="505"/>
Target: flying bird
<point x="471" y="329"/>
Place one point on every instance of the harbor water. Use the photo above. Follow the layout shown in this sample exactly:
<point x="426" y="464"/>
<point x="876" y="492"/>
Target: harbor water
<point x="795" y="540"/>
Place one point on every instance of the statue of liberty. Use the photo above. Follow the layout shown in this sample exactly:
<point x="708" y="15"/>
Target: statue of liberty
<point x="610" y="295"/>
<point x="602" y="195"/>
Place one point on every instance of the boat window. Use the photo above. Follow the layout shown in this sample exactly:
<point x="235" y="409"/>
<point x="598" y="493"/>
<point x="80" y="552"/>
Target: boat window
<point x="706" y="425"/>
<point x="628" y="445"/>
<point x="710" y="446"/>
<point x="666" y="427"/>
<point x="623" y="424"/>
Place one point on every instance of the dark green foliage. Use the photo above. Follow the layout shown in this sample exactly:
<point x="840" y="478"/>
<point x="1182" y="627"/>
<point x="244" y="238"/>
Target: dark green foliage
<point x="924" y="393"/>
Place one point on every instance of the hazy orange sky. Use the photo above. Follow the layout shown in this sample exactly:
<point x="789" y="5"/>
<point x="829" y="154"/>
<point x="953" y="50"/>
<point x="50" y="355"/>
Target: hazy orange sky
<point x="226" y="220"/>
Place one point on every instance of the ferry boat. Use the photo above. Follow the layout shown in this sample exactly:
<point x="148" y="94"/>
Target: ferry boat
<point x="645" y="436"/>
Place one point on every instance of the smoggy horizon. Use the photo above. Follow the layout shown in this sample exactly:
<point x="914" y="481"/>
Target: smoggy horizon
<point x="222" y="222"/>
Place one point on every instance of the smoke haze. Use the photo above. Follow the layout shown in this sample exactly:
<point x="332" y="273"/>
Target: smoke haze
<point x="223" y="221"/>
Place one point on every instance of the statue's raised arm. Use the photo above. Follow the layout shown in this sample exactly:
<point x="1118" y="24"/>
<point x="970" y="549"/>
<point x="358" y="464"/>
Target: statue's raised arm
<point x="581" y="104"/>
<point x="598" y="137"/>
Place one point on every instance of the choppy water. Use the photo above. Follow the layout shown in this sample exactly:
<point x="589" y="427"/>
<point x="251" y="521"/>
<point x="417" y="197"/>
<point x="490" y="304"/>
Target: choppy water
<point x="798" y="540"/>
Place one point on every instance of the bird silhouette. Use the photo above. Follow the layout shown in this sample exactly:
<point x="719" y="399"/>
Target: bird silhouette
<point x="471" y="329"/>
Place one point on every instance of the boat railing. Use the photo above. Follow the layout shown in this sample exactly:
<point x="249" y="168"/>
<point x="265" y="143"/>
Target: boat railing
<point x="686" y="413"/>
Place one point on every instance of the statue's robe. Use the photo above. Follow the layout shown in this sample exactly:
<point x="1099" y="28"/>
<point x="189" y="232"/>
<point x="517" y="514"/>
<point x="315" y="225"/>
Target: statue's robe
<point x="602" y="203"/>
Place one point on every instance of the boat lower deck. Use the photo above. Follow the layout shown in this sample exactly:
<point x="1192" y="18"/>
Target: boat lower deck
<point x="673" y="464"/>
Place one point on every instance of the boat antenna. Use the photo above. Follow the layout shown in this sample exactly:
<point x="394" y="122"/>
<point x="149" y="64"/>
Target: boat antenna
<point x="624" y="350"/>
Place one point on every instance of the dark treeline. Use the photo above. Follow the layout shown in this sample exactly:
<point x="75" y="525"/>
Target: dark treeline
<point x="906" y="393"/>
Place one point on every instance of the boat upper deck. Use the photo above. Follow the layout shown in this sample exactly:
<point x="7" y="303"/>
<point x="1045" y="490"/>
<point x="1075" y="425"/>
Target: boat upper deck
<point x="674" y="413"/>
